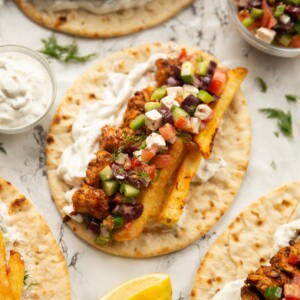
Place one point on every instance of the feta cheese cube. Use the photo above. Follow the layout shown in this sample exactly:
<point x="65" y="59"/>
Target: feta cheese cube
<point x="138" y="154"/>
<point x="195" y="122"/>
<point x="176" y="91"/>
<point x="203" y="112"/>
<point x="285" y="19"/>
<point x="168" y="102"/>
<point x="190" y="89"/>
<point x="265" y="34"/>
<point x="153" y="119"/>
<point x="155" y="139"/>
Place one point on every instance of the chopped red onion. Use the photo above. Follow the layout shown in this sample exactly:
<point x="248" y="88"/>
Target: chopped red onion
<point x="172" y="81"/>
<point x="167" y="116"/>
<point x="211" y="67"/>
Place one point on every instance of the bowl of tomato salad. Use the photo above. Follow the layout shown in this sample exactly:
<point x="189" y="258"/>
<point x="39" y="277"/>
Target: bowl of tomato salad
<point x="272" y="26"/>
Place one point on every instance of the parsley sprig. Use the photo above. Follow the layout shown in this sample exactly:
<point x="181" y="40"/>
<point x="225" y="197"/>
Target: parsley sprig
<point x="64" y="53"/>
<point x="284" y="120"/>
<point x="291" y="98"/>
<point x="263" y="84"/>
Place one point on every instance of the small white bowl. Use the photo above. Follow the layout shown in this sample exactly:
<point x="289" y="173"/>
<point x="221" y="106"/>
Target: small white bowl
<point x="256" y="42"/>
<point x="45" y="65"/>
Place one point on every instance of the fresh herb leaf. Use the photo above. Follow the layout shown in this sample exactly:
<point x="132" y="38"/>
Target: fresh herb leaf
<point x="292" y="98"/>
<point x="276" y="133"/>
<point x="284" y="120"/>
<point x="263" y="84"/>
<point x="274" y="165"/>
<point x="26" y="275"/>
<point x="31" y="284"/>
<point x="143" y="174"/>
<point x="186" y="136"/>
<point x="2" y="149"/>
<point x="64" y="53"/>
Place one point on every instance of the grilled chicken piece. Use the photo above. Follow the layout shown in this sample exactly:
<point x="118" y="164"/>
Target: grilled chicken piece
<point x="95" y="166"/>
<point x="167" y="68"/>
<point x="266" y="276"/>
<point x="249" y="293"/>
<point x="135" y="107"/>
<point x="112" y="138"/>
<point x="91" y="201"/>
<point x="280" y="260"/>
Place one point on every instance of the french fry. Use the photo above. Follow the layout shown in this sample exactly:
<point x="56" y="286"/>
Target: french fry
<point x="175" y="202"/>
<point x="16" y="274"/>
<point x="5" y="292"/>
<point x="205" y="139"/>
<point x="153" y="197"/>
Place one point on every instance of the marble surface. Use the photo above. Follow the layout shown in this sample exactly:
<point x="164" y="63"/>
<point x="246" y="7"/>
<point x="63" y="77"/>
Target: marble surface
<point x="204" y="24"/>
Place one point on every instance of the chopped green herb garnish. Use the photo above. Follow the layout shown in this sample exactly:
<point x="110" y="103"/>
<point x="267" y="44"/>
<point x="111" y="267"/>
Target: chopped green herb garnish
<point x="2" y="149"/>
<point x="64" y="53"/>
<point x="274" y="165"/>
<point x="284" y="120"/>
<point x="291" y="98"/>
<point x="26" y="275"/>
<point x="143" y="174"/>
<point x="263" y="84"/>
<point x="276" y="133"/>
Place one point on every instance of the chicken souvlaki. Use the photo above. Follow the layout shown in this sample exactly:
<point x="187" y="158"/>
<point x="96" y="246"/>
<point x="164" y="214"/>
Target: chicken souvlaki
<point x="129" y="137"/>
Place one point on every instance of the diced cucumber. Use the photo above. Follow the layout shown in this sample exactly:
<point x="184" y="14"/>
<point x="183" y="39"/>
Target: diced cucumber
<point x="285" y="39"/>
<point x="138" y="122"/>
<point x="121" y="189"/>
<point x="103" y="241"/>
<point x="106" y="174"/>
<point x="177" y="112"/>
<point x="202" y="68"/>
<point x="118" y="222"/>
<point x="187" y="72"/>
<point x="143" y="145"/>
<point x="296" y="2"/>
<point x="152" y="105"/>
<point x="159" y="93"/>
<point x="256" y="13"/>
<point x="247" y="22"/>
<point x="130" y="191"/>
<point x="110" y="187"/>
<point x="279" y="10"/>
<point x="205" y="97"/>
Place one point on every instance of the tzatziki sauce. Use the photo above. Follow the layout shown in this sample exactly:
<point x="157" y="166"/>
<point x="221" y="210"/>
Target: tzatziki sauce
<point x="231" y="290"/>
<point x="26" y="90"/>
<point x="95" y="6"/>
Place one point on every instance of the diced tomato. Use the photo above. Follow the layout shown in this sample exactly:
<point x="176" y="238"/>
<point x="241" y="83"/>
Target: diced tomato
<point x="168" y="132"/>
<point x="267" y="20"/>
<point x="151" y="170"/>
<point x="245" y="14"/>
<point x="147" y="155"/>
<point x="292" y="258"/>
<point x="218" y="81"/>
<point x="183" y="123"/>
<point x="135" y="163"/>
<point x="292" y="292"/>
<point x="183" y="55"/>
<point x="295" y="42"/>
<point x="161" y="161"/>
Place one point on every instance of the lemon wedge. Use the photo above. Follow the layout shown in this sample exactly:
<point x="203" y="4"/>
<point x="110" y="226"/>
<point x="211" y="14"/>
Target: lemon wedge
<point x="149" y="287"/>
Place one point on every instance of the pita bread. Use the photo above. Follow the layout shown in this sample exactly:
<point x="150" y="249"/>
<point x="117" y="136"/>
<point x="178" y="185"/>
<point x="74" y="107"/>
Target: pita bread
<point x="83" y="23"/>
<point x="247" y="243"/>
<point x="48" y="276"/>
<point x="207" y="202"/>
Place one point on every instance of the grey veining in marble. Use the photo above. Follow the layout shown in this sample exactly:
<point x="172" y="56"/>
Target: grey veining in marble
<point x="204" y="24"/>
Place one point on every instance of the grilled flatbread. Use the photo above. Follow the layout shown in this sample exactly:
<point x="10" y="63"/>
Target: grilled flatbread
<point x="84" y="23"/>
<point x="248" y="241"/>
<point x="207" y="201"/>
<point x="25" y="231"/>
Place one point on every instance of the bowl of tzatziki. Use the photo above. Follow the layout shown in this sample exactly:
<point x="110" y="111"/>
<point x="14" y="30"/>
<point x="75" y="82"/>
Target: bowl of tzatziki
<point x="27" y="88"/>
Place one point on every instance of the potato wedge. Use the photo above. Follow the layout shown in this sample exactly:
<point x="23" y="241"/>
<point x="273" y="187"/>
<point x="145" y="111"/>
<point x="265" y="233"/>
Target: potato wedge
<point x="16" y="274"/>
<point x="153" y="197"/>
<point x="5" y="292"/>
<point x="175" y="202"/>
<point x="205" y="139"/>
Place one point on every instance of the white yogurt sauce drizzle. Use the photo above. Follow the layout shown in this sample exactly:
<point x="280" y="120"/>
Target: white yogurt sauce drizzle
<point x="96" y="6"/>
<point x="281" y="238"/>
<point x="25" y="90"/>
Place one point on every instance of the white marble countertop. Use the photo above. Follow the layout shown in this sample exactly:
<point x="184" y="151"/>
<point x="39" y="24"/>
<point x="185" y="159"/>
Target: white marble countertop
<point x="204" y="24"/>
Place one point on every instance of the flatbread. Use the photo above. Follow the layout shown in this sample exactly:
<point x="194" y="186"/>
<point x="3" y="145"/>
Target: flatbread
<point x="208" y="201"/>
<point x="83" y="23"/>
<point x="45" y="266"/>
<point x="247" y="243"/>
